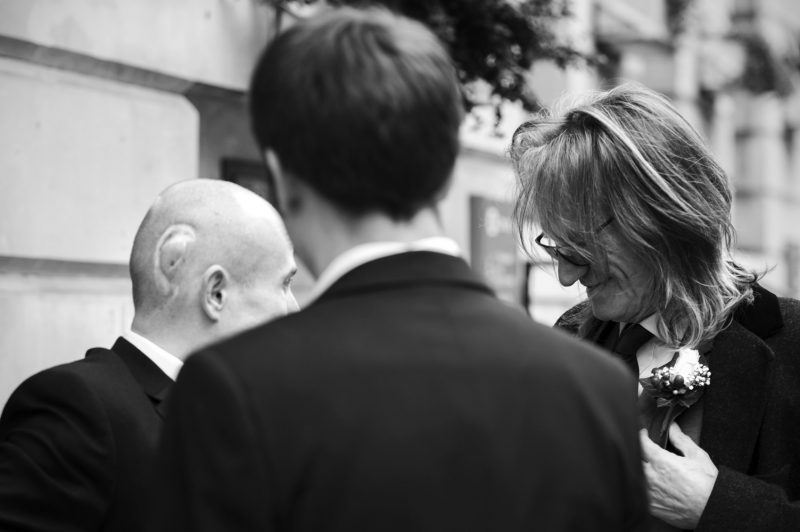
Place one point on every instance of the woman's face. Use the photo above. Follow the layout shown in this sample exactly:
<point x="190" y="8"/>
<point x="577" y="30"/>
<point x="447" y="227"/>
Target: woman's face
<point x="619" y="292"/>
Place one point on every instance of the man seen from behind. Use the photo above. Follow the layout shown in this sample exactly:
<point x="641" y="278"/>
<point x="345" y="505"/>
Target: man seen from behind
<point x="405" y="396"/>
<point x="77" y="441"/>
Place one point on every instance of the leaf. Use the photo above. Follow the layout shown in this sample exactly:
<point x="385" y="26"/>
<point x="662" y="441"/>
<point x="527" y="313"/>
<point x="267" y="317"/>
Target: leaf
<point x="691" y="398"/>
<point x="663" y="403"/>
<point x="496" y="41"/>
<point x="648" y="386"/>
<point x="659" y="420"/>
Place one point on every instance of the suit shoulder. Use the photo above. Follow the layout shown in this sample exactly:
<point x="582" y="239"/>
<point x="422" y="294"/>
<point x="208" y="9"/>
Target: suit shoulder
<point x="66" y="382"/>
<point x="784" y="342"/>
<point x="63" y="405"/>
<point x="80" y="381"/>
<point x="56" y="430"/>
<point x="790" y="311"/>
<point x="782" y="322"/>
<point x="559" y="349"/>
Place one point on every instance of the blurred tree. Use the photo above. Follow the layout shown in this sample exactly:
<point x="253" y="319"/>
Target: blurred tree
<point x="677" y="12"/>
<point x="771" y="54"/>
<point x="767" y="68"/>
<point x="495" y="41"/>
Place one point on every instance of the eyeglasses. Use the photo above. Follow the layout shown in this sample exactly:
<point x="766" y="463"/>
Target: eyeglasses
<point x="561" y="253"/>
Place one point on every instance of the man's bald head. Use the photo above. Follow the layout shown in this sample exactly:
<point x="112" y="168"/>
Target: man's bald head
<point x="209" y="239"/>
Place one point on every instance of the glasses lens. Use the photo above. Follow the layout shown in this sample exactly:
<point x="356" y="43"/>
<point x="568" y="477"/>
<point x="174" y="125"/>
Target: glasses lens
<point x="560" y="253"/>
<point x="548" y="246"/>
<point x="572" y="257"/>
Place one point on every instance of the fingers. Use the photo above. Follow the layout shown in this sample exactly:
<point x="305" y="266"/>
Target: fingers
<point x="648" y="471"/>
<point x="682" y="442"/>
<point x="648" y="447"/>
<point x="653" y="453"/>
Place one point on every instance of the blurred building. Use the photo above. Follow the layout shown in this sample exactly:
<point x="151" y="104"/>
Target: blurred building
<point x="732" y="68"/>
<point x="103" y="104"/>
<point x="106" y="102"/>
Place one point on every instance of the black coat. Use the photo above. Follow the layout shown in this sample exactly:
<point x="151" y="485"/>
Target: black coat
<point x="407" y="397"/>
<point x="77" y="443"/>
<point x="751" y="417"/>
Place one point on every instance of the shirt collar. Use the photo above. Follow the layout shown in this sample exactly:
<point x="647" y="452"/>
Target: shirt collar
<point x="364" y="253"/>
<point x="166" y="362"/>
<point x="651" y="324"/>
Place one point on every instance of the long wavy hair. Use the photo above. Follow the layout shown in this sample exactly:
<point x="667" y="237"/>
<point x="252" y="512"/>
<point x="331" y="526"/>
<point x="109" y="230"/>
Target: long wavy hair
<point x="627" y="155"/>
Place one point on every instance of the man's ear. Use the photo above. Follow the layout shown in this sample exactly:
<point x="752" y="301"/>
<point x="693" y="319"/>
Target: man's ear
<point x="287" y="201"/>
<point x="216" y="281"/>
<point x="171" y="251"/>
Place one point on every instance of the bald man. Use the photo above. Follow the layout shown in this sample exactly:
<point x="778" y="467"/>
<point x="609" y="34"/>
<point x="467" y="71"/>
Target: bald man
<point x="76" y="441"/>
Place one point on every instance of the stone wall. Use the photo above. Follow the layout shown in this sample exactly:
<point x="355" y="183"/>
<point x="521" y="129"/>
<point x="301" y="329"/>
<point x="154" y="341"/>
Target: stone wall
<point x="95" y="122"/>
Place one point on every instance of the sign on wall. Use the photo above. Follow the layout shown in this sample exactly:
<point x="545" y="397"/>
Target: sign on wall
<point x="493" y="247"/>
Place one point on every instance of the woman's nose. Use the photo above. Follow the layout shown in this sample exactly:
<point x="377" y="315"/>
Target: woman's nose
<point x="569" y="273"/>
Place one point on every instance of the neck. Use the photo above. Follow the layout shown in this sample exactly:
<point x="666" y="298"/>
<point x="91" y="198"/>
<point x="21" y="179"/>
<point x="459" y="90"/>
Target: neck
<point x="170" y="340"/>
<point x="342" y="233"/>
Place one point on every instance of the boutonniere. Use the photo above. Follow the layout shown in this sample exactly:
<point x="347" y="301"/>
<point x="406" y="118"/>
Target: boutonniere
<point x="675" y="387"/>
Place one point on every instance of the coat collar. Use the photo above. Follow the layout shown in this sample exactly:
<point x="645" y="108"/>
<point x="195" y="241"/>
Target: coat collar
<point x="741" y="369"/>
<point x="762" y="316"/>
<point x="734" y="403"/>
<point x="406" y="269"/>
<point x="153" y="381"/>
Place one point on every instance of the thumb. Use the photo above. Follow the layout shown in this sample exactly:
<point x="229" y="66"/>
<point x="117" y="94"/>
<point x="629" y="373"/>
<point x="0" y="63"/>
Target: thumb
<point x="682" y="442"/>
<point x="649" y="449"/>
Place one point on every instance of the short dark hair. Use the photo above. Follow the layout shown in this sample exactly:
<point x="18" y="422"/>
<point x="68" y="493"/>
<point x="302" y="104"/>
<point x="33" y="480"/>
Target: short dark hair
<point x="364" y="106"/>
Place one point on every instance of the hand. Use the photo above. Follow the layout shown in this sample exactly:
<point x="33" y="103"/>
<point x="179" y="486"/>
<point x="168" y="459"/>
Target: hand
<point x="678" y="486"/>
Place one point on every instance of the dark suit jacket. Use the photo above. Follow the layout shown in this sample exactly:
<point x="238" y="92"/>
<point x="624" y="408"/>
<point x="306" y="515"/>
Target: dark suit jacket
<point x="751" y="417"/>
<point x="407" y="397"/>
<point x="77" y="444"/>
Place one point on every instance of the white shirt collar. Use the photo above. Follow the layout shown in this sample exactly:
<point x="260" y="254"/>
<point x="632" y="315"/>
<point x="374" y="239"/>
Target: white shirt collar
<point x="364" y="253"/>
<point x="168" y="363"/>
<point x="651" y="324"/>
<point x="654" y="353"/>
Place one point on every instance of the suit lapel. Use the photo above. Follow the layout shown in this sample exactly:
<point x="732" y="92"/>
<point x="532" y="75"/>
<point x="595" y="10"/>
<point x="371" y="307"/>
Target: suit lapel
<point x="593" y="330"/>
<point x="153" y="381"/>
<point x="741" y="371"/>
<point x="741" y="368"/>
<point x="603" y="333"/>
<point x="406" y="269"/>
<point x="734" y="403"/>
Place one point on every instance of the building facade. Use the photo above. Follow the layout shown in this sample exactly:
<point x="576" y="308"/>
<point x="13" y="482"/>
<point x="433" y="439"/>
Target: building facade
<point x="106" y="102"/>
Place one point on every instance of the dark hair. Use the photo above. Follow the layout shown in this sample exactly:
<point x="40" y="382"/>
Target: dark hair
<point x="364" y="106"/>
<point x="628" y="155"/>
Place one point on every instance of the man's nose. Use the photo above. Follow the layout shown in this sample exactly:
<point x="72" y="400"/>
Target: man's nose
<point x="569" y="273"/>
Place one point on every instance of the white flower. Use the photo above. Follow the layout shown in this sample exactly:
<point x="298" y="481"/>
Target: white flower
<point x="682" y="379"/>
<point x="687" y="362"/>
